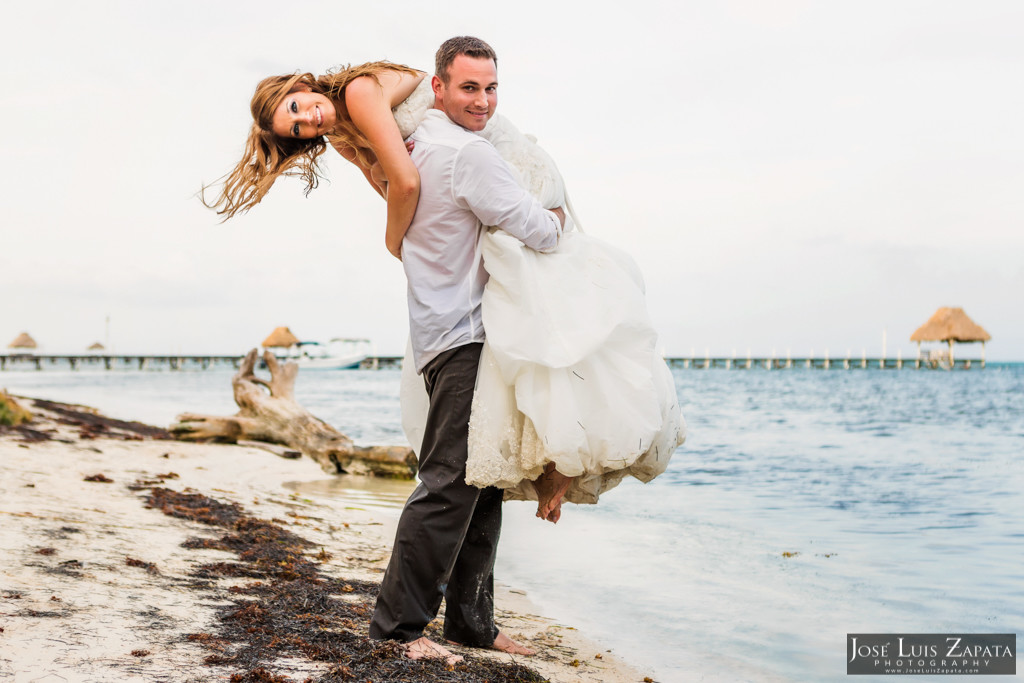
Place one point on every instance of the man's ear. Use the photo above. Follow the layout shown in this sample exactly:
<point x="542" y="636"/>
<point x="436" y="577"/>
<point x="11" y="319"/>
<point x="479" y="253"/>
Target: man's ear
<point x="436" y="84"/>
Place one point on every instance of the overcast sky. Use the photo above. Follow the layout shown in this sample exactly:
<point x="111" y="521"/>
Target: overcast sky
<point x="789" y="175"/>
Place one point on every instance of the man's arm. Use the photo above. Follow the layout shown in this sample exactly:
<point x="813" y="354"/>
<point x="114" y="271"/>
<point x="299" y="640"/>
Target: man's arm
<point x="484" y="183"/>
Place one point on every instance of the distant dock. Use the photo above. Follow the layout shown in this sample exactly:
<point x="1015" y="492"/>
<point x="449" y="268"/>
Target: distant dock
<point x="15" y="361"/>
<point x="825" y="363"/>
<point x="99" y="361"/>
<point x="40" y="361"/>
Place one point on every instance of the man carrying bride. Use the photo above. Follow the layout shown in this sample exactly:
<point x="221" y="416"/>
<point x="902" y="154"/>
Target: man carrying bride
<point x="448" y="533"/>
<point x="562" y="398"/>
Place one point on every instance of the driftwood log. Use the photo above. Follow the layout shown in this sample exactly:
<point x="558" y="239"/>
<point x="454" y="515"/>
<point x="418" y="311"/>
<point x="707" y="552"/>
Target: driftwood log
<point x="270" y="416"/>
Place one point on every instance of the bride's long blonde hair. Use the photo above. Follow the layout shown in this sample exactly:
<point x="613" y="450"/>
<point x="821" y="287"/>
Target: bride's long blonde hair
<point x="268" y="156"/>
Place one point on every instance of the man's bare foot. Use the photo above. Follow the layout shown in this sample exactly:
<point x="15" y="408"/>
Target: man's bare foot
<point x="551" y="486"/>
<point x="424" y="648"/>
<point x="506" y="644"/>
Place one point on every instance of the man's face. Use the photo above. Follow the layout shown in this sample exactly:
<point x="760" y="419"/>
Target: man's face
<point x="471" y="95"/>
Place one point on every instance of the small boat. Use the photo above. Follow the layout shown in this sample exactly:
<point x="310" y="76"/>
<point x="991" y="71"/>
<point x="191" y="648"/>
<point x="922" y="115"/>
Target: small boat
<point x="339" y="353"/>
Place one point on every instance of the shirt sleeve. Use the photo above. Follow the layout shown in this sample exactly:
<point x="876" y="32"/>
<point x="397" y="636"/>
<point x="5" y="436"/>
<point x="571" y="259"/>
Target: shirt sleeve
<point x="483" y="183"/>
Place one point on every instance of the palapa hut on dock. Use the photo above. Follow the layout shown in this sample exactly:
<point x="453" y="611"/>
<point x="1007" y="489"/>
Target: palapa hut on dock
<point x="96" y="346"/>
<point x="951" y="325"/>
<point x="23" y="341"/>
<point x="280" y="338"/>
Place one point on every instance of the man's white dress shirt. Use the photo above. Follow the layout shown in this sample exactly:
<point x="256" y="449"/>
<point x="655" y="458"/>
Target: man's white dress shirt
<point x="464" y="186"/>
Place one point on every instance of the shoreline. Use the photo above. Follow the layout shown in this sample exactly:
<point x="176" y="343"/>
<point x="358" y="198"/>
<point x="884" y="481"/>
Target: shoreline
<point x="94" y="584"/>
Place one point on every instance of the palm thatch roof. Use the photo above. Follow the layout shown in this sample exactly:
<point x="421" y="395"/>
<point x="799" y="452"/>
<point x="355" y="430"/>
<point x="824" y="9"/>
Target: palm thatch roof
<point x="280" y="337"/>
<point x="96" y="346"/>
<point x="950" y="324"/>
<point x="23" y="341"/>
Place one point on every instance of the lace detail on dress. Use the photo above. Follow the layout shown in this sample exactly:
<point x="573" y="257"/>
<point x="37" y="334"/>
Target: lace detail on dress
<point x="490" y="464"/>
<point x="535" y="170"/>
<point x="507" y="451"/>
<point x="409" y="114"/>
<point x="495" y="430"/>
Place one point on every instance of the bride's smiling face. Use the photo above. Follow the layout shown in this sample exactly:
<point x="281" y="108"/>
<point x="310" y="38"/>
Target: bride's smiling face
<point x="303" y="115"/>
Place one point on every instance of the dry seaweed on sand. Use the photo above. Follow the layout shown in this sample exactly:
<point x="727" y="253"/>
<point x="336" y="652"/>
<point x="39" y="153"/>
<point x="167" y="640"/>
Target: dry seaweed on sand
<point x="148" y="566"/>
<point x="27" y="434"/>
<point x="92" y="425"/>
<point x="295" y="611"/>
<point x="46" y="417"/>
<point x="259" y="675"/>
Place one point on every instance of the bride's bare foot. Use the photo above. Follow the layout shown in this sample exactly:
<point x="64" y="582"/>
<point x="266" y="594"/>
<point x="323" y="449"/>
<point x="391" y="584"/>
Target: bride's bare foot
<point x="424" y="648"/>
<point x="551" y="486"/>
<point x="555" y="514"/>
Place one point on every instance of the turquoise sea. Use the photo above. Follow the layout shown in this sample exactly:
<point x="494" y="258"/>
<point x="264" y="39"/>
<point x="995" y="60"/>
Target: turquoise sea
<point x="805" y="505"/>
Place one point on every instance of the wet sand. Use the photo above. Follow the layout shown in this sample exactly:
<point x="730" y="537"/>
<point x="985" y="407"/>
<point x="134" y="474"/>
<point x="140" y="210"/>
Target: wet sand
<point x="96" y="586"/>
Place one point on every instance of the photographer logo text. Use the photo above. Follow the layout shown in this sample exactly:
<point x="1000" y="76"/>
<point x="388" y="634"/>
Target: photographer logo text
<point x="931" y="653"/>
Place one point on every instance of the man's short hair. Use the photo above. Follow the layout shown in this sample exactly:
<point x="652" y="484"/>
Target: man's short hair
<point x="460" y="45"/>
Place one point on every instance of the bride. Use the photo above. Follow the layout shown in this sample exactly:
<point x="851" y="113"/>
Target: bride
<point x="571" y="395"/>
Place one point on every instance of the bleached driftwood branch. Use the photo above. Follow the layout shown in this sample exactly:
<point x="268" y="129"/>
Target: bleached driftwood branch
<point x="270" y="414"/>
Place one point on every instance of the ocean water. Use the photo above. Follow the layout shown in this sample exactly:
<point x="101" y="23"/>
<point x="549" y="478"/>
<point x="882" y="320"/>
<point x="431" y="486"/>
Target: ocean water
<point x="805" y="505"/>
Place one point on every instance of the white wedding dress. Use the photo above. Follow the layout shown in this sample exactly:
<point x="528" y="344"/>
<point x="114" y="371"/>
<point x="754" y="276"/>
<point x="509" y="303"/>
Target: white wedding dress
<point x="569" y="373"/>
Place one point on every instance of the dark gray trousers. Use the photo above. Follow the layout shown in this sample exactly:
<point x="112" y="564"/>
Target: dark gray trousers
<point x="447" y="535"/>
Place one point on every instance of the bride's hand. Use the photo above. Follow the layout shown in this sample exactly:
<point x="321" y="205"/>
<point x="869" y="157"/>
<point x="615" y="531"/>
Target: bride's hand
<point x="378" y="176"/>
<point x="395" y="249"/>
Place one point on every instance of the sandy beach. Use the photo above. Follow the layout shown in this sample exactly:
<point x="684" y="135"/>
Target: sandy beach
<point x="131" y="557"/>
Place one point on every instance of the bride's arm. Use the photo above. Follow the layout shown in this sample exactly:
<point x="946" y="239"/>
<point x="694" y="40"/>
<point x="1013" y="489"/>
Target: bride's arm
<point x="369" y="106"/>
<point x="350" y="154"/>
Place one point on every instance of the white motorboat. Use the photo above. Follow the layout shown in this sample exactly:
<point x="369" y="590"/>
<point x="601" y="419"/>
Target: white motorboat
<point x="339" y="353"/>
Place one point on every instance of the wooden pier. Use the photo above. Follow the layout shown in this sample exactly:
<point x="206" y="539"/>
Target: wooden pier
<point x="11" y="361"/>
<point x="825" y="363"/>
<point x="115" y="362"/>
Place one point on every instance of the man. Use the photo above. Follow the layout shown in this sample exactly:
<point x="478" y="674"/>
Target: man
<point x="448" y="533"/>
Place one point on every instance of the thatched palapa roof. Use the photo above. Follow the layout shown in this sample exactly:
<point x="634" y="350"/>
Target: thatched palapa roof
<point x="280" y="337"/>
<point x="950" y="324"/>
<point x="23" y="341"/>
<point x="96" y="346"/>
